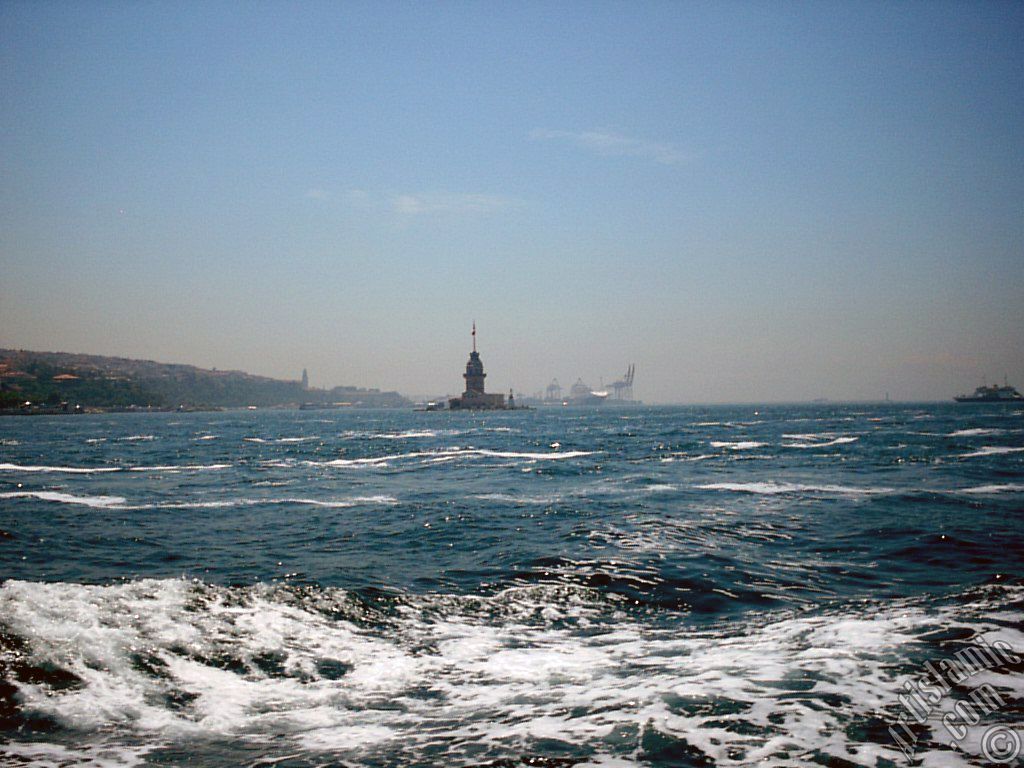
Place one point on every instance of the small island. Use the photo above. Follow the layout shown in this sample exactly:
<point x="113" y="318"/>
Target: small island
<point x="475" y="398"/>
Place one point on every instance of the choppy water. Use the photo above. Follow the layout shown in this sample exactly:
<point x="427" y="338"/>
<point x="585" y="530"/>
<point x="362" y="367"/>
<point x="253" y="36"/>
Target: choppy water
<point x="654" y="587"/>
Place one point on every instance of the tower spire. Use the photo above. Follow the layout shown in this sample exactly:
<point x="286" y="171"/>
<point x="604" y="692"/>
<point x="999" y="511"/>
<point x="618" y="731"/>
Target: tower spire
<point x="474" y="335"/>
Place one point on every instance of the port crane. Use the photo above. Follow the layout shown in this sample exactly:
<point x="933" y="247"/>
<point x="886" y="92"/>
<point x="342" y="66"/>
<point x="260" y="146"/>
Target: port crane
<point x="554" y="391"/>
<point x="623" y="388"/>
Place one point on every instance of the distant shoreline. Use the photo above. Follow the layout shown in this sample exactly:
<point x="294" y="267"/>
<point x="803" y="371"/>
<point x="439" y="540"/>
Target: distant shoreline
<point x="59" y="382"/>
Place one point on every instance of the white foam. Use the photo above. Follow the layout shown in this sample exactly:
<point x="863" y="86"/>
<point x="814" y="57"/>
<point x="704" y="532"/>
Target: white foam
<point x="350" y="501"/>
<point x="83" y="755"/>
<point x="180" y="468"/>
<point x="448" y="454"/>
<point x="119" y="502"/>
<point x="607" y="761"/>
<point x="103" y="502"/>
<point x="772" y="488"/>
<point x="739" y="445"/>
<point x="660" y="487"/>
<point x="377" y="461"/>
<point x="499" y="670"/>
<point x="218" y="504"/>
<point x="975" y="432"/>
<point x="94" y="470"/>
<point x="65" y="470"/>
<point x="995" y="488"/>
<point x="815" y="443"/>
<point x="687" y="457"/>
<point x="137" y="438"/>
<point x="508" y="498"/>
<point x="992" y="450"/>
<point x="545" y="456"/>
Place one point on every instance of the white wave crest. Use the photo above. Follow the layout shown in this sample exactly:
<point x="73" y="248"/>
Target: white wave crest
<point x="103" y="502"/>
<point x="450" y="454"/>
<point x="975" y="432"/>
<point x="338" y="503"/>
<point x="772" y="488"/>
<point x="508" y="498"/>
<point x="119" y="502"/>
<point x="992" y="450"/>
<point x="409" y="435"/>
<point x="775" y="488"/>
<point x="686" y="457"/>
<point x="94" y="470"/>
<point x="350" y="502"/>
<point x="739" y="445"/>
<point x="545" y="456"/>
<point x="813" y="442"/>
<point x="995" y="488"/>
<point x="179" y="468"/>
<point x="5" y="467"/>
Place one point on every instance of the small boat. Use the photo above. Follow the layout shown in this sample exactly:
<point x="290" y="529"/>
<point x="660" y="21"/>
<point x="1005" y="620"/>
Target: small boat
<point x="433" y="405"/>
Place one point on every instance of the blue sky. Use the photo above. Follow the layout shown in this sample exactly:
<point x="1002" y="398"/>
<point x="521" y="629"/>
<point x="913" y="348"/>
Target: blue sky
<point x="750" y="201"/>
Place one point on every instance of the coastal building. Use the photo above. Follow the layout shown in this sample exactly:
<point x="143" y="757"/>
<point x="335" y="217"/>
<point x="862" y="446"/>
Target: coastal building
<point x="474" y="398"/>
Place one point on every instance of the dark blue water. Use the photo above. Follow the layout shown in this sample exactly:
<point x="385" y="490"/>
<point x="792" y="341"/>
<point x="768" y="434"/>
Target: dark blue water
<point x="619" y="587"/>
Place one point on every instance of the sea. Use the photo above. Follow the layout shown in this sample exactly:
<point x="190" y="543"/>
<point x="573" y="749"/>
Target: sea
<point x="600" y="588"/>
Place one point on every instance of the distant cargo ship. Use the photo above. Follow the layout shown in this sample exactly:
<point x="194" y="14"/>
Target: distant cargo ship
<point x="582" y="394"/>
<point x="992" y="394"/>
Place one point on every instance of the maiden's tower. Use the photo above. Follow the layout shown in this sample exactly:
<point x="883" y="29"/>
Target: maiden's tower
<point x="474" y="398"/>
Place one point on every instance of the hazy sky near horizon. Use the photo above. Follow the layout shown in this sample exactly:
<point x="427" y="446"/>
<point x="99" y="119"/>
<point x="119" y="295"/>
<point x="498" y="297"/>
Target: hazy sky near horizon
<point x="750" y="201"/>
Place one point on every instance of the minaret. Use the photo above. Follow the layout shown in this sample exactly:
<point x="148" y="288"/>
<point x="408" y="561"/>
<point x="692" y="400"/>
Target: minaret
<point x="305" y="379"/>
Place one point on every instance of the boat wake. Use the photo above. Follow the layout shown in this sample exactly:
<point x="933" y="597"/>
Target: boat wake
<point x="539" y="670"/>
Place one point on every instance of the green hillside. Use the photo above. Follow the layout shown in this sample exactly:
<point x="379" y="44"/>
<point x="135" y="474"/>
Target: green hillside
<point x="92" y="381"/>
